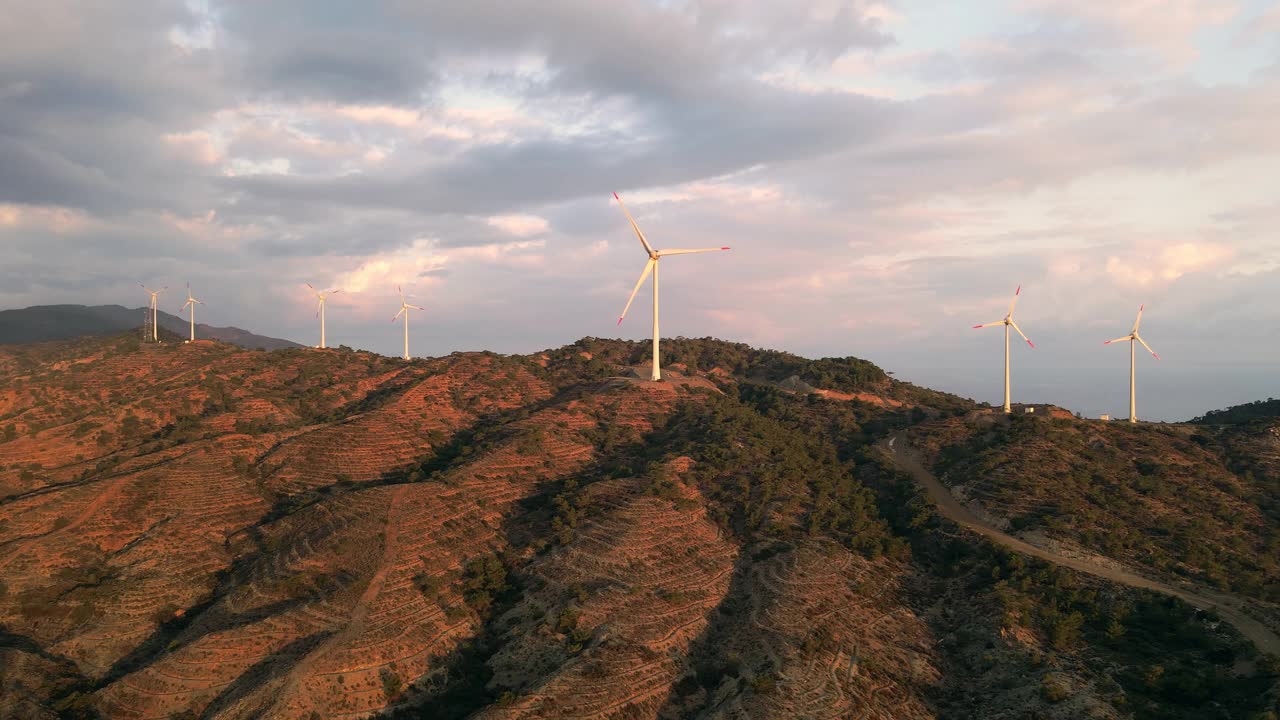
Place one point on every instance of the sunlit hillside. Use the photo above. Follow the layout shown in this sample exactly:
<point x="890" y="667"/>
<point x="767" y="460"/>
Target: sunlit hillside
<point x="207" y="531"/>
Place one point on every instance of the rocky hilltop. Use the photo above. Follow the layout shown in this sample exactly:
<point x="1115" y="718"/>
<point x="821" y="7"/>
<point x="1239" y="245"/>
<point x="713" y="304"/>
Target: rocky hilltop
<point x="208" y="531"/>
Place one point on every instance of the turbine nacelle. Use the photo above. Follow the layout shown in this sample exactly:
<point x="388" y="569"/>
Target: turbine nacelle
<point x="322" y="296"/>
<point x="1008" y="318"/>
<point x="1134" y="336"/>
<point x="404" y="304"/>
<point x="153" y="293"/>
<point x="190" y="299"/>
<point x="654" y="256"/>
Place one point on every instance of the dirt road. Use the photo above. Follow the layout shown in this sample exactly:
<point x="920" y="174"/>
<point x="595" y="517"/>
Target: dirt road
<point x="1228" y="607"/>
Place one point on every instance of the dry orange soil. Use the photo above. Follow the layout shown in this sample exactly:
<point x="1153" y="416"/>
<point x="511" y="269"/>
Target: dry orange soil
<point x="235" y="534"/>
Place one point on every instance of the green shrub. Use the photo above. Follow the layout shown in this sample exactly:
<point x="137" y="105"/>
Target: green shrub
<point x="1054" y="688"/>
<point x="391" y="683"/>
<point x="483" y="578"/>
<point x="763" y="684"/>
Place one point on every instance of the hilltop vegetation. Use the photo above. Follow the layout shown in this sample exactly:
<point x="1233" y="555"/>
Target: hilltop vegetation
<point x="205" y="531"/>
<point x="1177" y="500"/>
<point x="1257" y="411"/>
<point x="597" y="357"/>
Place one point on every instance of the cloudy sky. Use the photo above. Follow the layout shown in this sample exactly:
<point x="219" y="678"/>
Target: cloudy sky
<point x="886" y="172"/>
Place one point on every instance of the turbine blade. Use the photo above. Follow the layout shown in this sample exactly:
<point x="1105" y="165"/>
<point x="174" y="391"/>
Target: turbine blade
<point x="1138" y="321"/>
<point x="1024" y="337"/>
<point x="1148" y="347"/>
<point x="648" y="268"/>
<point x="415" y="307"/>
<point x="397" y="315"/>
<point x="1014" y="301"/>
<point x="1126" y="337"/>
<point x="310" y="286"/>
<point x="990" y="324"/>
<point x="331" y="292"/>
<point x="662" y="253"/>
<point x="647" y="247"/>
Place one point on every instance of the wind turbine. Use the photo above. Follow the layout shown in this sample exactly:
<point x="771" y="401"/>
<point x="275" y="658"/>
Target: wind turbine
<point x="404" y="310"/>
<point x="1133" y="335"/>
<point x="192" y="303"/>
<point x="652" y="267"/>
<point x="1008" y="322"/>
<point x="320" y="309"/>
<point x="155" y="334"/>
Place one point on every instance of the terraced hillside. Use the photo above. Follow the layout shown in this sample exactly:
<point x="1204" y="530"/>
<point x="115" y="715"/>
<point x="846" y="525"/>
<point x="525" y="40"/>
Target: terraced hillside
<point x="205" y="531"/>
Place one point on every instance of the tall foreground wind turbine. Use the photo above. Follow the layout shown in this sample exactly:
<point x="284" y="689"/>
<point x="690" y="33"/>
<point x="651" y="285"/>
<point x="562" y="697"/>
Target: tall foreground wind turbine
<point x="155" y="333"/>
<point x="320" y="308"/>
<point x="1131" y="337"/>
<point x="192" y="303"/>
<point x="1008" y="322"/>
<point x="405" y="307"/>
<point x="652" y="267"/>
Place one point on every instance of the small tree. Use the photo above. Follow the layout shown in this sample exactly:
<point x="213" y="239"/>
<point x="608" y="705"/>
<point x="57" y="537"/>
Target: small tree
<point x="391" y="683"/>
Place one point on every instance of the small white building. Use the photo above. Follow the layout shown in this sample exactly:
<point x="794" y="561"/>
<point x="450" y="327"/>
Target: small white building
<point x="1104" y="417"/>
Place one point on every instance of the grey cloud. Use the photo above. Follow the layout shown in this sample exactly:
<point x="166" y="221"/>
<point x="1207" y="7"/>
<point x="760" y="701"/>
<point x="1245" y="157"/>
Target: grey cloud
<point x="690" y="83"/>
<point x="361" y="234"/>
<point x="88" y="94"/>
<point x="643" y="48"/>
<point x="98" y="87"/>
<point x="345" y="52"/>
<point x="717" y="136"/>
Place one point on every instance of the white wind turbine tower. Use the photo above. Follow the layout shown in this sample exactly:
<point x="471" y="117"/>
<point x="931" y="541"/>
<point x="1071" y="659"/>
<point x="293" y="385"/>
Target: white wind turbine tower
<point x="155" y="333"/>
<point x="320" y="309"/>
<point x="1131" y="337"/>
<point x="192" y="303"/>
<point x="652" y="267"/>
<point x="1008" y="322"/>
<point x="405" y="307"/>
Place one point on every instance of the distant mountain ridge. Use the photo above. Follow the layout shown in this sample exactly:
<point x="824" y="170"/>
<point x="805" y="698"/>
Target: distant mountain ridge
<point x="40" y="323"/>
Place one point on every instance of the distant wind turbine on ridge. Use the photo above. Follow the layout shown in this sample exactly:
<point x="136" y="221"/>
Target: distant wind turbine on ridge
<point x="1131" y="337"/>
<point x="320" y="309"/>
<point x="405" y="307"/>
<point x="652" y="267"/>
<point x="1008" y="322"/>
<point x="155" y="333"/>
<point x="192" y="303"/>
